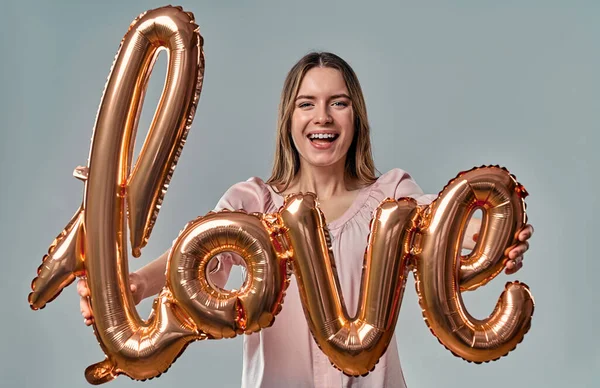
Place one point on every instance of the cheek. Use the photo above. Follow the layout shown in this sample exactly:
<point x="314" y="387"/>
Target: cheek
<point x="347" y="122"/>
<point x="296" y="143"/>
<point x="345" y="119"/>
<point x="298" y="125"/>
<point x="296" y="134"/>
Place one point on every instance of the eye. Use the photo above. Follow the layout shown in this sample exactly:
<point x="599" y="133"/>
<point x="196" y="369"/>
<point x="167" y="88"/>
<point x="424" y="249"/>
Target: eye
<point x="341" y="104"/>
<point x="304" y="105"/>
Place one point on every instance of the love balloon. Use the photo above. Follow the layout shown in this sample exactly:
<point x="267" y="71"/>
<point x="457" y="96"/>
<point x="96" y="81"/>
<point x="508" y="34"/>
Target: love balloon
<point x="190" y="307"/>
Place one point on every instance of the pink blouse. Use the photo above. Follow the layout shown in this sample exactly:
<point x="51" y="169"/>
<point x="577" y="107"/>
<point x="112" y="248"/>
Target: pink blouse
<point x="286" y="355"/>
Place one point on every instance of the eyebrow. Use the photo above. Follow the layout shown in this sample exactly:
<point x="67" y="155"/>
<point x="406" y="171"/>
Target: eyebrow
<point x="342" y="95"/>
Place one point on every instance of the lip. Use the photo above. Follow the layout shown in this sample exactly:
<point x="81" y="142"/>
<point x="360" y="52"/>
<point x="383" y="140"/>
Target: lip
<point x="323" y="146"/>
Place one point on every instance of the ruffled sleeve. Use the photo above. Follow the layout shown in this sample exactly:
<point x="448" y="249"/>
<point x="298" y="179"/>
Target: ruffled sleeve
<point x="396" y="184"/>
<point x="403" y="185"/>
<point x="251" y="196"/>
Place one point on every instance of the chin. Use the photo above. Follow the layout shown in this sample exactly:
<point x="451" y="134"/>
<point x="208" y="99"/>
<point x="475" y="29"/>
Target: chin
<point x="322" y="160"/>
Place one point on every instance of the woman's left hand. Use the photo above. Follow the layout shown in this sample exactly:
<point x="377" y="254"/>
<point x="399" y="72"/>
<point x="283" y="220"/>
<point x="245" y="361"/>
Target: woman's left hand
<point x="515" y="255"/>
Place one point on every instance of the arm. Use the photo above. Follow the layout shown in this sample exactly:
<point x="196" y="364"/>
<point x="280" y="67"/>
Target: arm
<point x="151" y="278"/>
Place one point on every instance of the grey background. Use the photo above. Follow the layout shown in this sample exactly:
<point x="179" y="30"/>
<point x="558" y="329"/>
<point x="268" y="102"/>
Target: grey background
<point x="448" y="87"/>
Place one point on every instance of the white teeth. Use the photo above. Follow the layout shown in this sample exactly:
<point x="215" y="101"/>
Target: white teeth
<point x="322" y="136"/>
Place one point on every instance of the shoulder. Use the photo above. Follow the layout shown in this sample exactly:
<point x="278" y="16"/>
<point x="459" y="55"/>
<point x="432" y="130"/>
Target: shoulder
<point x="398" y="183"/>
<point x="393" y="177"/>
<point x="250" y="195"/>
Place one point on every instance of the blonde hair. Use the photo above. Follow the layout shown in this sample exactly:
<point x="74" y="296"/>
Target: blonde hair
<point x="359" y="160"/>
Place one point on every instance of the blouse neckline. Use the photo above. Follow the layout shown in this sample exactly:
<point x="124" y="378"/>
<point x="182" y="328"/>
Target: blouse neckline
<point x="357" y="204"/>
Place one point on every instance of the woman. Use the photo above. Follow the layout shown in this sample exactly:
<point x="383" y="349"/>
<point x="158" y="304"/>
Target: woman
<point x="323" y="146"/>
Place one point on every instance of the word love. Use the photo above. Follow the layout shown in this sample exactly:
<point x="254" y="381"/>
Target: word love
<point x="403" y="237"/>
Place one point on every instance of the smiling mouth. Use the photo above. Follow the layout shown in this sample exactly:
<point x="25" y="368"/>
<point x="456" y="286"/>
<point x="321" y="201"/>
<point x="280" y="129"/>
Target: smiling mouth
<point x="323" y="138"/>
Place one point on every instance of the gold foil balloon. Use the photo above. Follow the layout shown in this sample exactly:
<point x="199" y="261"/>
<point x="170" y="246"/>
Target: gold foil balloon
<point x="94" y="242"/>
<point x="61" y="265"/>
<point x="353" y="344"/>
<point x="441" y="272"/>
<point x="220" y="313"/>
<point x="434" y="235"/>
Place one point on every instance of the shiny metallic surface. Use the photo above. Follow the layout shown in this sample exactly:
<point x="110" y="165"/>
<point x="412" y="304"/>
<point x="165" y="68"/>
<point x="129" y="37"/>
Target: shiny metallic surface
<point x="217" y="312"/>
<point x="442" y="273"/>
<point x="116" y="193"/>
<point x="62" y="264"/>
<point x="353" y="344"/>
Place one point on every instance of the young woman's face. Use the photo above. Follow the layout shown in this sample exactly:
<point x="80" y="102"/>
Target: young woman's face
<point x="323" y="118"/>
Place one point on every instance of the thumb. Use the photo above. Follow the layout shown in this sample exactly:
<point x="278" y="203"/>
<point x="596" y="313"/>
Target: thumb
<point x="133" y="288"/>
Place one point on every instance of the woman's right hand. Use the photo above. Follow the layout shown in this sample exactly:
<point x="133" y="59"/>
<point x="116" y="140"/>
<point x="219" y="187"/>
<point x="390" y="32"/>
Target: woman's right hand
<point x="137" y="286"/>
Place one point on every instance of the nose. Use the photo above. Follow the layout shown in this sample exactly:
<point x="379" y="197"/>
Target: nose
<point x="322" y="116"/>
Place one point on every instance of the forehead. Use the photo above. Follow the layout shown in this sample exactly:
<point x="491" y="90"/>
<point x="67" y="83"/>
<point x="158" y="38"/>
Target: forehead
<point x="322" y="81"/>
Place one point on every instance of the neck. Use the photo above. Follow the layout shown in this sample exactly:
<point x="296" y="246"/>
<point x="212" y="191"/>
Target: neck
<point x="326" y="182"/>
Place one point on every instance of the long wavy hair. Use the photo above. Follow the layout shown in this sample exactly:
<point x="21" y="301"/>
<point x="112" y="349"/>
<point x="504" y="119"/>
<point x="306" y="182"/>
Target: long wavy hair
<point x="359" y="165"/>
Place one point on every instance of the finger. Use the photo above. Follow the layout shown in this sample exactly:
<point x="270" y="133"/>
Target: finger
<point x="133" y="288"/>
<point x="519" y="250"/>
<point x="82" y="288"/>
<point x="87" y="315"/>
<point x="526" y="233"/>
<point x="518" y="260"/>
<point x="88" y="322"/>
<point x="513" y="266"/>
<point x="519" y="266"/>
<point x="523" y="247"/>
<point x="84" y="307"/>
